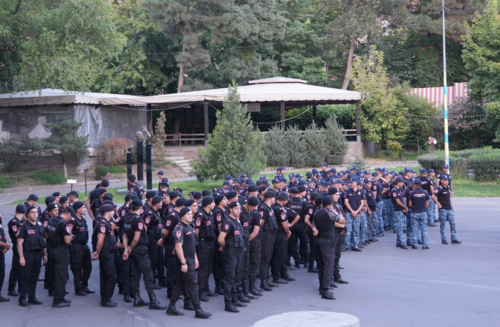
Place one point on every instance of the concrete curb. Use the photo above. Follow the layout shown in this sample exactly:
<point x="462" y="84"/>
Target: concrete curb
<point x="309" y="318"/>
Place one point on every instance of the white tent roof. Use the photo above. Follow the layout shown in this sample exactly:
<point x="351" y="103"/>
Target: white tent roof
<point x="274" y="89"/>
<point x="55" y="97"/>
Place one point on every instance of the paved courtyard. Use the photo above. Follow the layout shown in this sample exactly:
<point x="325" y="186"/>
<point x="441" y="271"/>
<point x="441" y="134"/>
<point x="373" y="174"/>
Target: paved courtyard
<point x="448" y="285"/>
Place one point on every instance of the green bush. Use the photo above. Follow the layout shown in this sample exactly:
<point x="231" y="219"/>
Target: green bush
<point x="336" y="144"/>
<point x="276" y="152"/>
<point x="11" y="158"/>
<point x="485" y="162"/>
<point x="316" y="145"/>
<point x="48" y="178"/>
<point x="295" y="147"/>
<point x="117" y="169"/>
<point x="101" y="171"/>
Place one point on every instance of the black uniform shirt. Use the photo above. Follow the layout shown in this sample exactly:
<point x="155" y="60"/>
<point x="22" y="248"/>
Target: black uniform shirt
<point x="133" y="223"/>
<point x="354" y="198"/>
<point x="14" y="227"/>
<point x="205" y="223"/>
<point x="443" y="196"/>
<point x="2" y="234"/>
<point x="80" y="230"/>
<point x="171" y="221"/>
<point x="370" y="200"/>
<point x="396" y="194"/>
<point x="234" y="230"/>
<point x="33" y="236"/>
<point x="280" y="214"/>
<point x="186" y="235"/>
<point x="418" y="198"/>
<point x="325" y="226"/>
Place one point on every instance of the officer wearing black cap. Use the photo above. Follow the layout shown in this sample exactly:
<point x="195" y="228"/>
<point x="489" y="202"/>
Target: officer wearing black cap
<point x="133" y="186"/>
<point x="339" y="231"/>
<point x="97" y="203"/>
<point x="283" y="233"/>
<point x="81" y="258"/>
<point x="310" y="209"/>
<point x="324" y="222"/>
<point x="94" y="195"/>
<point x="32" y="201"/>
<point x="298" y="229"/>
<point x="32" y="251"/>
<point x="105" y="249"/>
<point x="269" y="228"/>
<point x="73" y="197"/>
<point x="154" y="228"/>
<point x="168" y="242"/>
<point x="45" y="214"/>
<point x="205" y="229"/>
<point x="219" y="214"/>
<point x="59" y="238"/>
<point x="53" y="210"/>
<point x="231" y="245"/>
<point x="14" y="228"/>
<point x="4" y="247"/>
<point x="400" y="209"/>
<point x="185" y="250"/>
<point x="250" y="222"/>
<point x="135" y="242"/>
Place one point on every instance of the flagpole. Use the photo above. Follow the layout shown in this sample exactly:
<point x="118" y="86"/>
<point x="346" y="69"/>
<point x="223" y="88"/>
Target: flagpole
<point x="446" y="143"/>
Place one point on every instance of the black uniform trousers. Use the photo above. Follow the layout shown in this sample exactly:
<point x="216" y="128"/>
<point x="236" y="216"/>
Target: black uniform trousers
<point x="81" y="265"/>
<point x="299" y="233"/>
<point x="153" y="250"/>
<point x="218" y="266"/>
<point x="2" y="269"/>
<point x="122" y="272"/>
<point x="49" y="271"/>
<point x="140" y="264"/>
<point x="312" y="247"/>
<point x="232" y="258"/>
<point x="29" y="274"/>
<point x="244" y="266"/>
<point x="60" y="259"/>
<point x="254" y="254"/>
<point x="186" y="283"/>
<point x="173" y="267"/>
<point x="107" y="274"/>
<point x="338" y="253"/>
<point x="15" y="270"/>
<point x="278" y="268"/>
<point x="267" y="247"/>
<point x="161" y="266"/>
<point x="205" y="252"/>
<point x="325" y="256"/>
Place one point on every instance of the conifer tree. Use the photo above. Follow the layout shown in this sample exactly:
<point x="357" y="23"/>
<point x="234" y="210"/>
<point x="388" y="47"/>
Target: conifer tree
<point x="336" y="144"/>
<point x="316" y="145"/>
<point x="159" y="140"/>
<point x="276" y="152"/>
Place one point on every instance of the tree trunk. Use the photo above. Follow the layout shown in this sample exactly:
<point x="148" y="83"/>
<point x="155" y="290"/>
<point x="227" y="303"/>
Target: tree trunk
<point x="65" y="170"/>
<point x="348" y="70"/>
<point x="182" y="72"/>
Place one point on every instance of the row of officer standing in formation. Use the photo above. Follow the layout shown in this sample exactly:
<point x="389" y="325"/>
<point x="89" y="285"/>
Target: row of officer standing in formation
<point x="247" y="234"/>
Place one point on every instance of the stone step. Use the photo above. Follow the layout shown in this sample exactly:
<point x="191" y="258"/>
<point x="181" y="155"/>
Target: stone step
<point x="179" y="162"/>
<point x="172" y="159"/>
<point x="182" y="165"/>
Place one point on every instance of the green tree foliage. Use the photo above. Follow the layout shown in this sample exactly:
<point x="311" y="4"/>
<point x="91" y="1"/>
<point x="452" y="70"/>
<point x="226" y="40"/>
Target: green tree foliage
<point x="277" y="155"/>
<point x="159" y="139"/>
<point x="255" y="26"/>
<point x="233" y="147"/>
<point x="65" y="139"/>
<point x="146" y="64"/>
<point x="336" y="144"/>
<point x="419" y="111"/>
<point x="295" y="146"/>
<point x="190" y="21"/>
<point x="482" y="57"/>
<point x="316" y="145"/>
<point x="383" y="116"/>
<point x="57" y="44"/>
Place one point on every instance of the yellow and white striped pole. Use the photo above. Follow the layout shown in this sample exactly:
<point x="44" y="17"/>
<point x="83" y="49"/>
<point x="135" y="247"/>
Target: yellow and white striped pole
<point x="445" y="102"/>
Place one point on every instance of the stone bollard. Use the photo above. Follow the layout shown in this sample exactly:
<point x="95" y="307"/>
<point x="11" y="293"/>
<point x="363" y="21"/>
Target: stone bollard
<point x="308" y="319"/>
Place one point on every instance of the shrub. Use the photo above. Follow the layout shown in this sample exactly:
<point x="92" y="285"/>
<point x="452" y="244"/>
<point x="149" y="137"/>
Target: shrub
<point x="316" y="145"/>
<point x="117" y="169"/>
<point x="100" y="172"/>
<point x="277" y="154"/>
<point x="114" y="151"/>
<point x="11" y="158"/>
<point x="336" y="144"/>
<point x="295" y="147"/>
<point x="48" y="177"/>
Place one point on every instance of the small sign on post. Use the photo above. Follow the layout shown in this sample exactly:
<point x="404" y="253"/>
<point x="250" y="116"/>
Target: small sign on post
<point x="71" y="182"/>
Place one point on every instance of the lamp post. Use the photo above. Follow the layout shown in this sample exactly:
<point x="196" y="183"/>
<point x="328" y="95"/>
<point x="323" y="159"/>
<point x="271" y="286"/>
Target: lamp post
<point x="446" y="146"/>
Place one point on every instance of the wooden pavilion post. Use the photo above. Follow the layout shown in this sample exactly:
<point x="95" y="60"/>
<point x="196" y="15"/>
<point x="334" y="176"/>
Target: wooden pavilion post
<point x="205" y="112"/>
<point x="282" y="109"/>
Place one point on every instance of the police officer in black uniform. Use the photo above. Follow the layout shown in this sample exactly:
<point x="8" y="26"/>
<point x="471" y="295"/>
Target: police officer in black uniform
<point x="81" y="258"/>
<point x="298" y="230"/>
<point x="105" y="252"/>
<point x="269" y="228"/>
<point x="14" y="228"/>
<point x="205" y="229"/>
<point x="94" y="195"/>
<point x="59" y="238"/>
<point x="135" y="242"/>
<point x="231" y="245"/>
<point x="133" y="186"/>
<point x="310" y="209"/>
<point x="32" y="201"/>
<point x="283" y="233"/>
<point x="168" y="242"/>
<point x="185" y="250"/>
<point x="339" y="231"/>
<point x="32" y="250"/>
<point x="154" y="225"/>
<point x="4" y="247"/>
<point x="324" y="222"/>
<point x="53" y="211"/>
<point x="219" y="214"/>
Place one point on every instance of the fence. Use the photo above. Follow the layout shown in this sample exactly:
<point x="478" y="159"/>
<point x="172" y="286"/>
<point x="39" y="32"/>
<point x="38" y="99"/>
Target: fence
<point x="435" y="94"/>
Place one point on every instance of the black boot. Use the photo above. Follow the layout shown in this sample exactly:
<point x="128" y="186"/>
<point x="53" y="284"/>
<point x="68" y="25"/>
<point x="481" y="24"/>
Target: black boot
<point x="127" y="298"/>
<point x="138" y="302"/>
<point x="327" y="295"/>
<point x="242" y="297"/>
<point x="188" y="305"/>
<point x="253" y="290"/>
<point x="265" y="286"/>
<point x="231" y="308"/>
<point x="172" y="310"/>
<point x="154" y="304"/>
<point x="218" y="288"/>
<point x="203" y="297"/>
<point x="201" y="314"/>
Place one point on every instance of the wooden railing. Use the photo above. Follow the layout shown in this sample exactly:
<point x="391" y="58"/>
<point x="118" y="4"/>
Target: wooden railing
<point x="179" y="138"/>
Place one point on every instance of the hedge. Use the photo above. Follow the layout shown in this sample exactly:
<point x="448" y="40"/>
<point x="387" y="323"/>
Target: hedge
<point x="484" y="162"/>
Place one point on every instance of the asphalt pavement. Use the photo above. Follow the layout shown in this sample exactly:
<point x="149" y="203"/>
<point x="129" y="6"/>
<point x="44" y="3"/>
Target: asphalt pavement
<point x="448" y="285"/>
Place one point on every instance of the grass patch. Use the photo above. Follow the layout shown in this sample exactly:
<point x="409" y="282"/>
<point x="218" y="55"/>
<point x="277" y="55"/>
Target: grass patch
<point x="389" y="156"/>
<point x="48" y="178"/>
<point x="117" y="169"/>
<point x="7" y="181"/>
<point x="471" y="188"/>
